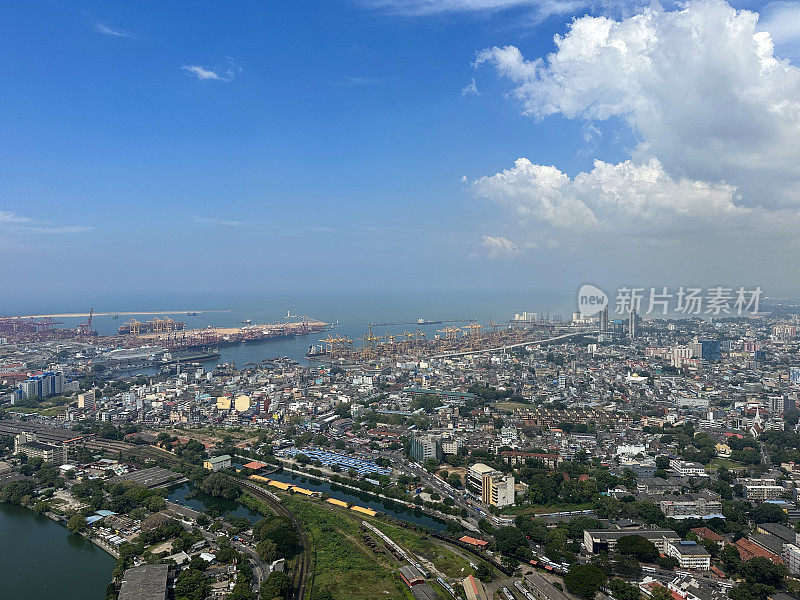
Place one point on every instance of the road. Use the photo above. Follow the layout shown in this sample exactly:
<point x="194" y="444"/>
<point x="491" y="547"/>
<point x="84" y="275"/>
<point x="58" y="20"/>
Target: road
<point x="517" y="345"/>
<point x="432" y="481"/>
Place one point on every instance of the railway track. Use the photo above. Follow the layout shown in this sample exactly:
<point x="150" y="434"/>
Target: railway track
<point x="303" y="568"/>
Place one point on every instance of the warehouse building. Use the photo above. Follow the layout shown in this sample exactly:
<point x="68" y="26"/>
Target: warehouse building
<point x="147" y="582"/>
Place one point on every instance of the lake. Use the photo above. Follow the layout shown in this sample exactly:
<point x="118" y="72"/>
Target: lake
<point x="41" y="560"/>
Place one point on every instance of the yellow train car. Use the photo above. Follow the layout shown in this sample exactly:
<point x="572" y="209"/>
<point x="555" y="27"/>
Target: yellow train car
<point x="280" y="485"/>
<point x="364" y="510"/>
<point x="336" y="502"/>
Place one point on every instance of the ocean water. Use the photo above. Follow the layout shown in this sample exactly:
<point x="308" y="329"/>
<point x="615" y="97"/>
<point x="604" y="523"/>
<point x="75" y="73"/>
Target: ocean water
<point x="353" y="311"/>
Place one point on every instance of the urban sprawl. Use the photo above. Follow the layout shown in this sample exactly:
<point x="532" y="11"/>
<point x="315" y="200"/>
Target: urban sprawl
<point x="543" y="458"/>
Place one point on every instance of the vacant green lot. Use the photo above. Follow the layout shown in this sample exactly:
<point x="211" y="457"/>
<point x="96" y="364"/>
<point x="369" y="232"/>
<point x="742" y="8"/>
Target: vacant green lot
<point x="725" y="462"/>
<point x="345" y="566"/>
<point x="447" y="561"/>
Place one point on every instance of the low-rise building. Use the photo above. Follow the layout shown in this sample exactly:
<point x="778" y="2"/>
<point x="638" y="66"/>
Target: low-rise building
<point x="217" y="463"/>
<point x="688" y="469"/>
<point x="146" y="582"/>
<point x="690" y="555"/>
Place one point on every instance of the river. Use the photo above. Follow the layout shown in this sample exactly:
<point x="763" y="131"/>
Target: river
<point x="42" y="561"/>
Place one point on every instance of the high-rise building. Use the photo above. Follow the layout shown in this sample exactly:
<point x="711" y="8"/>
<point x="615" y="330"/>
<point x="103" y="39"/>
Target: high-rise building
<point x="42" y="386"/>
<point x="633" y="324"/>
<point x="424" y="447"/>
<point x="495" y="489"/>
<point x="87" y="400"/>
<point x="706" y="350"/>
<point x="498" y="490"/>
<point x="604" y="319"/>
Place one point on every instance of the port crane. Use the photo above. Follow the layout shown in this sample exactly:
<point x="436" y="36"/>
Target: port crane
<point x="86" y="328"/>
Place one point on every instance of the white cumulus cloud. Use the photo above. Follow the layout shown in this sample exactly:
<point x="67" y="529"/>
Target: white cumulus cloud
<point x="500" y="247"/>
<point x="700" y="86"/>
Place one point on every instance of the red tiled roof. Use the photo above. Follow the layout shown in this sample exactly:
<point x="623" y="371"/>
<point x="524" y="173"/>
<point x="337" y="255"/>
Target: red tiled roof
<point x="473" y="541"/>
<point x="748" y="550"/>
<point x="254" y="465"/>
<point x="708" y="534"/>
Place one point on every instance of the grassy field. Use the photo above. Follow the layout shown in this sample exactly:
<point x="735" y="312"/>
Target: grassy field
<point x="725" y="462"/>
<point x="446" y="561"/>
<point x="345" y="566"/>
<point x="47" y="412"/>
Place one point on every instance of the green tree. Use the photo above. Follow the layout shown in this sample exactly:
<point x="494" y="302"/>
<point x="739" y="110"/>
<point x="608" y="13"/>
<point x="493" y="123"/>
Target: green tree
<point x="750" y="591"/>
<point x="267" y="550"/>
<point x="584" y="580"/>
<point x="638" y="547"/>
<point x="275" y="586"/>
<point x="763" y="570"/>
<point x="76" y="523"/>
<point x="661" y="593"/>
<point x="191" y="585"/>
<point x="484" y="572"/>
<point x="768" y="513"/>
<point x="622" y="590"/>
<point x="510" y="540"/>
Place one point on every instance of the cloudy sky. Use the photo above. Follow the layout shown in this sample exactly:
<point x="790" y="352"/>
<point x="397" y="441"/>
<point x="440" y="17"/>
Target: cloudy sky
<point x="434" y="144"/>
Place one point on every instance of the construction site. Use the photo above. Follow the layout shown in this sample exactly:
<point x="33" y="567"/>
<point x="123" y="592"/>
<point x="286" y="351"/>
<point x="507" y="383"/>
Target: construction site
<point x="473" y="337"/>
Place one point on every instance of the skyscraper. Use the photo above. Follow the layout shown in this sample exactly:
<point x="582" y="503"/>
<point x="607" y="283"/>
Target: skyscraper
<point x="604" y="319"/>
<point x="632" y="324"/>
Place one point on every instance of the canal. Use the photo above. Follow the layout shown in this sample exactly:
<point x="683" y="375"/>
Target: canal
<point x="388" y="507"/>
<point x="187" y="495"/>
<point x="41" y="560"/>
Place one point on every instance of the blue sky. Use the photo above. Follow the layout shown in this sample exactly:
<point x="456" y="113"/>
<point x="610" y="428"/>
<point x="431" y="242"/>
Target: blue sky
<point x="207" y="146"/>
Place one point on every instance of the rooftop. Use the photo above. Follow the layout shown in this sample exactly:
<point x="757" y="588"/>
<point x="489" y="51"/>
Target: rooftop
<point x="147" y="582"/>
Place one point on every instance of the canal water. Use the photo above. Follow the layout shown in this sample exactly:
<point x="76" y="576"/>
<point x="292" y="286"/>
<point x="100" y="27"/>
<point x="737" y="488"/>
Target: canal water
<point x="188" y="496"/>
<point x="41" y="560"/>
<point x="388" y="507"/>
